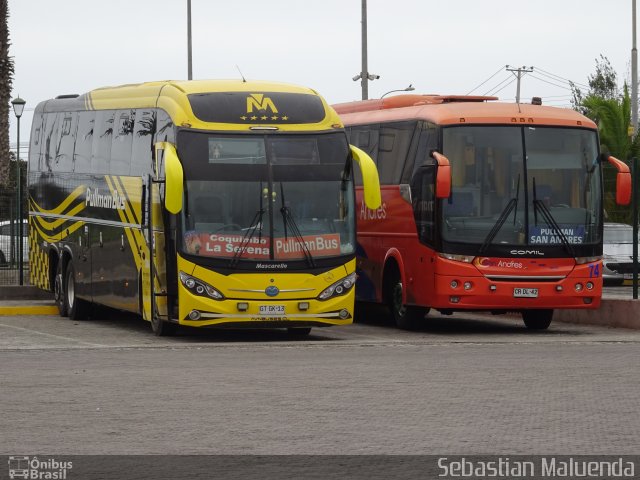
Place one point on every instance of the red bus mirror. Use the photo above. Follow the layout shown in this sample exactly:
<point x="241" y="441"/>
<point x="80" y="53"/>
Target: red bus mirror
<point x="443" y="176"/>
<point x="623" y="181"/>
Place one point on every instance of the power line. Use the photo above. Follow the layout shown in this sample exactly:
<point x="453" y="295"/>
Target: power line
<point x="551" y="83"/>
<point x="562" y="78"/>
<point x="488" y="92"/>
<point x="478" y="86"/>
<point x="512" y="80"/>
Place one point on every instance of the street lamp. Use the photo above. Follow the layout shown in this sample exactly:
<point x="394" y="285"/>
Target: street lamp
<point x="410" y="88"/>
<point x="18" y="108"/>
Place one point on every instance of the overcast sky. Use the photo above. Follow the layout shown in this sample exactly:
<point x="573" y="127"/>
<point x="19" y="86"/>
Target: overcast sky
<point x="439" y="46"/>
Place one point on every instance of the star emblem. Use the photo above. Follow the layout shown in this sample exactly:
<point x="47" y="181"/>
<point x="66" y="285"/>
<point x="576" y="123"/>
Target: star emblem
<point x="243" y="117"/>
<point x="285" y="118"/>
<point x="253" y="117"/>
<point x="264" y="117"/>
<point x="274" y="117"/>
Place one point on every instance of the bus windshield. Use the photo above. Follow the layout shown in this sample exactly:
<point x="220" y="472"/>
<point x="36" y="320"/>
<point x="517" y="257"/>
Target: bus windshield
<point x="267" y="197"/>
<point x="522" y="185"/>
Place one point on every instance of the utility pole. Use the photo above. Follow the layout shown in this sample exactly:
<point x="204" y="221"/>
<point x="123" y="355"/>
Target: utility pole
<point x="634" y="73"/>
<point x="189" y="62"/>
<point x="519" y="73"/>
<point x="364" y="80"/>
<point x="364" y="76"/>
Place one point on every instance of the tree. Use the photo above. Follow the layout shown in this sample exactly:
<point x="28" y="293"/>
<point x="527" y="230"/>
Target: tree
<point x="611" y="110"/>
<point x="6" y="76"/>
<point x="603" y="84"/>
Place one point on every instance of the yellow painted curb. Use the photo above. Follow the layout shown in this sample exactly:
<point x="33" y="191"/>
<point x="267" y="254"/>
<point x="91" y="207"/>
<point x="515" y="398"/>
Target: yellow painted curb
<point x="29" y="310"/>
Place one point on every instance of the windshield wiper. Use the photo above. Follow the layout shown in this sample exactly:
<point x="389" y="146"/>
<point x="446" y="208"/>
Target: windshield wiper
<point x="256" y="224"/>
<point x="512" y="205"/>
<point x="289" y="221"/>
<point x="548" y="217"/>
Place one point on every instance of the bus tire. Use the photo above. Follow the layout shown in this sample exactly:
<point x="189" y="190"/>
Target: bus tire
<point x="58" y="291"/>
<point x="298" y="331"/>
<point x="537" y="319"/>
<point x="76" y="308"/>
<point x="406" y="317"/>
<point x="161" y="328"/>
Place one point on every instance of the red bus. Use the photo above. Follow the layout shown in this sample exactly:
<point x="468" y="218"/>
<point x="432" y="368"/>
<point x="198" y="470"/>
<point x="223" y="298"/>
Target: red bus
<point x="486" y="206"/>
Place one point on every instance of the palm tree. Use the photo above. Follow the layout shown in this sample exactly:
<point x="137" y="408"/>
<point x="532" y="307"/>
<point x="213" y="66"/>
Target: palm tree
<point x="6" y="75"/>
<point x="613" y="116"/>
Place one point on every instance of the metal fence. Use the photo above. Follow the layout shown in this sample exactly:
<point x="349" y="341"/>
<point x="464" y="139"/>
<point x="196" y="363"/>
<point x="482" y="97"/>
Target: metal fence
<point x="11" y="243"/>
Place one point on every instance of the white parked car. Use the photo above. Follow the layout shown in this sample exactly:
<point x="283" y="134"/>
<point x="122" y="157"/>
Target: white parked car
<point x="6" y="241"/>
<point x="617" y="253"/>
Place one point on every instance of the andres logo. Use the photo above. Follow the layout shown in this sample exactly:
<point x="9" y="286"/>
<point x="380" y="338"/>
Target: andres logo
<point x="261" y="108"/>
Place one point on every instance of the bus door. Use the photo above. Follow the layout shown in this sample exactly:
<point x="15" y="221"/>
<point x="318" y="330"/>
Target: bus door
<point x="83" y="264"/>
<point x="154" y="275"/>
<point x="423" y="199"/>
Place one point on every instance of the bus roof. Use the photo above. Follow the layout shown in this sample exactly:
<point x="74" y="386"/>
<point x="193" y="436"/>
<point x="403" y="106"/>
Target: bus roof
<point x="457" y="109"/>
<point x="212" y="104"/>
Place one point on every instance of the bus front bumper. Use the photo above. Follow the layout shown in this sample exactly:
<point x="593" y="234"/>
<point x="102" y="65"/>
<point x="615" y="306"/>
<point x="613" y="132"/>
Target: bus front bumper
<point x="480" y="293"/>
<point x="267" y="314"/>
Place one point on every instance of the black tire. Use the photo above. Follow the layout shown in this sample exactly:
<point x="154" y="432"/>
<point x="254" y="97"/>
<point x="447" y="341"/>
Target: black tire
<point x="299" y="331"/>
<point x="406" y="317"/>
<point x="58" y="291"/>
<point x="161" y="328"/>
<point x="537" y="319"/>
<point x="77" y="309"/>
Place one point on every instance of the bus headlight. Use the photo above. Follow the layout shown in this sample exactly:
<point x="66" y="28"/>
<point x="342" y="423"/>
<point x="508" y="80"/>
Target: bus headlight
<point x="198" y="287"/>
<point x="341" y="287"/>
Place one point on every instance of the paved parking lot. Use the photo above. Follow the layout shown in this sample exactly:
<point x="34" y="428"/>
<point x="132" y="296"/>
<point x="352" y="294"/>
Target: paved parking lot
<point x="463" y="384"/>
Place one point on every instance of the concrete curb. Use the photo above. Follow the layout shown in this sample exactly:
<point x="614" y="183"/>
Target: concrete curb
<point x="618" y="312"/>
<point x="12" y="310"/>
<point x="25" y="292"/>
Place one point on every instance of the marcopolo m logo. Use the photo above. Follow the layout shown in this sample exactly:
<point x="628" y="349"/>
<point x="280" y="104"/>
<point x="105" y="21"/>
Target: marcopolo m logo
<point x="114" y="201"/>
<point x="260" y="102"/>
<point x="271" y="291"/>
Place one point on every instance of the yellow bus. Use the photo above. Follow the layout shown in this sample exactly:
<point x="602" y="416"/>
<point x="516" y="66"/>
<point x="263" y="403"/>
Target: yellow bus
<point x="201" y="203"/>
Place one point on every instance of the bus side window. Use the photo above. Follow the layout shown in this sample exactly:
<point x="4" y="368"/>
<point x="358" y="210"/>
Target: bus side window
<point x="394" y="142"/>
<point x="164" y="128"/>
<point x="366" y="139"/>
<point x="51" y="133"/>
<point x="142" y="154"/>
<point x="122" y="141"/>
<point x="66" y="142"/>
<point x="84" y="142"/>
<point x="36" y="142"/>
<point x="427" y="142"/>
<point x="102" y="135"/>
<point x="423" y="197"/>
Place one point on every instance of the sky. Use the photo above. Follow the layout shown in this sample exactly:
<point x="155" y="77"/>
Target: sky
<point x="438" y="46"/>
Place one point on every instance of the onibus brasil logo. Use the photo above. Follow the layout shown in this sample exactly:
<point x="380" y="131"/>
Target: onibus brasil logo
<point x="38" y="469"/>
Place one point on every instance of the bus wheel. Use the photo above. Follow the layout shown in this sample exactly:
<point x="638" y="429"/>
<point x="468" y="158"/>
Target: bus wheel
<point x="405" y="317"/>
<point x="537" y="319"/>
<point x="162" y="328"/>
<point x="76" y="308"/>
<point x="58" y="292"/>
<point x="299" y="331"/>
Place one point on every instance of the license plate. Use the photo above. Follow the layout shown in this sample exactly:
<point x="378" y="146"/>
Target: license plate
<point x="525" y="292"/>
<point x="276" y="310"/>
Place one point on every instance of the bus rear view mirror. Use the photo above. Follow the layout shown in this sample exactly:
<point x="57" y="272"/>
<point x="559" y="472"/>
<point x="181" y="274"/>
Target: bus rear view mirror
<point x="443" y="175"/>
<point x="623" y="181"/>
<point x="173" y="180"/>
<point x="370" y="179"/>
